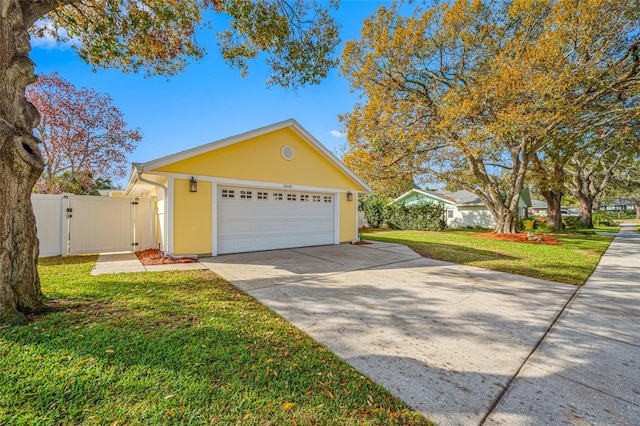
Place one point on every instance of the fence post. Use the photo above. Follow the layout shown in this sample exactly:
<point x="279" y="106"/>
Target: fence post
<point x="64" y="237"/>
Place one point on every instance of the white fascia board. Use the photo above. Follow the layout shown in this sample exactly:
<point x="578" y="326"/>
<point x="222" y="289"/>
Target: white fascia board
<point x="335" y="160"/>
<point x="133" y="178"/>
<point x="252" y="183"/>
<point x="212" y="146"/>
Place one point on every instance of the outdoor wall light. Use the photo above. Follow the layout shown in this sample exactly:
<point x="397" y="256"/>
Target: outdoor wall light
<point x="193" y="185"/>
<point x="349" y="196"/>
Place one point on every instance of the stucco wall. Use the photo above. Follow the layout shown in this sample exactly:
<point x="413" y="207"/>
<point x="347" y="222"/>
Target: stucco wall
<point x="192" y="219"/>
<point x="471" y="216"/>
<point x="348" y="212"/>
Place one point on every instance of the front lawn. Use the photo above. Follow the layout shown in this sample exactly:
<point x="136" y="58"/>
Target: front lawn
<point x="573" y="261"/>
<point x="174" y="348"/>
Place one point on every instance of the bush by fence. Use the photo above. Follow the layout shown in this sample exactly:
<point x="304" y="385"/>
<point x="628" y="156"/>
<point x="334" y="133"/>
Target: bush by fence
<point x="373" y="207"/>
<point x="422" y="217"/>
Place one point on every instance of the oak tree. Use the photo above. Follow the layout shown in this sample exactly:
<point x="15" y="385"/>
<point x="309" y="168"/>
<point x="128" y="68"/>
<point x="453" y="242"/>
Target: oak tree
<point x="550" y="179"/>
<point x="625" y="182"/>
<point x="387" y="175"/>
<point x="155" y="37"/>
<point x="596" y="161"/>
<point x="473" y="90"/>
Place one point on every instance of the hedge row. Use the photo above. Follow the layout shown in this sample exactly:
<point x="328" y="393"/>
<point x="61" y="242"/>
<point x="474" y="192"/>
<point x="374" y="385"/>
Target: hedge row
<point x="419" y="216"/>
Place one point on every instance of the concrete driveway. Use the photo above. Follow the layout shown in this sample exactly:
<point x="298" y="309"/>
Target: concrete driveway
<point x="445" y="338"/>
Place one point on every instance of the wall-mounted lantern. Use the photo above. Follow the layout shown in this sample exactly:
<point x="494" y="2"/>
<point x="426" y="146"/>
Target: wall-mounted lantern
<point x="193" y="185"/>
<point x="349" y="196"/>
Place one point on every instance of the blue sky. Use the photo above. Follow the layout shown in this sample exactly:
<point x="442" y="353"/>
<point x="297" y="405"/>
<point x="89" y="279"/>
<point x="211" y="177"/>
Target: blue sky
<point x="209" y="100"/>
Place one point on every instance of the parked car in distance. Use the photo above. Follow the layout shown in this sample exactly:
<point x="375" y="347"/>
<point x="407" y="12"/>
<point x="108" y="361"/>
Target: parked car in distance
<point x="570" y="212"/>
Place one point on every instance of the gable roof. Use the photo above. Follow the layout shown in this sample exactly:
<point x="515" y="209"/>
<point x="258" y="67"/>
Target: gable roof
<point x="465" y="198"/>
<point x="431" y="194"/>
<point x="539" y="204"/>
<point x="222" y="143"/>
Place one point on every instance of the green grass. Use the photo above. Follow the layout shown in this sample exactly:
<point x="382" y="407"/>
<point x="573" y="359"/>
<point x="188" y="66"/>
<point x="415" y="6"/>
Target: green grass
<point x="174" y="348"/>
<point x="573" y="261"/>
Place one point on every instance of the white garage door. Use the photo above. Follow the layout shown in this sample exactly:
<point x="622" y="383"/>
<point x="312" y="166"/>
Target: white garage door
<point x="252" y="219"/>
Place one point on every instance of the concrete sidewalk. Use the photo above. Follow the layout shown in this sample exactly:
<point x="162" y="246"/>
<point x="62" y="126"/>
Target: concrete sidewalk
<point x="114" y="263"/>
<point x="587" y="369"/>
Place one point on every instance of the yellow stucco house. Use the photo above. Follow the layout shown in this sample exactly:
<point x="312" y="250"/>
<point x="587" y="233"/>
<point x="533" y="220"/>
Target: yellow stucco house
<point x="271" y="188"/>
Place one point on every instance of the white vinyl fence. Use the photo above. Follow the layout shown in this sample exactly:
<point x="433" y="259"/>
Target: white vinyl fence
<point x="83" y="224"/>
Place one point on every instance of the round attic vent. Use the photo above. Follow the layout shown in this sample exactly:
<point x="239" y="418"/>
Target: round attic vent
<point x="287" y="152"/>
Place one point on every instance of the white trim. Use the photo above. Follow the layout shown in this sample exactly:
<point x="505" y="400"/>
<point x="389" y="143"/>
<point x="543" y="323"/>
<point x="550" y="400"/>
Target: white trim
<point x="336" y="219"/>
<point x="357" y="221"/>
<point x="214" y="219"/>
<point x="291" y="123"/>
<point x="169" y="214"/>
<point x="251" y="183"/>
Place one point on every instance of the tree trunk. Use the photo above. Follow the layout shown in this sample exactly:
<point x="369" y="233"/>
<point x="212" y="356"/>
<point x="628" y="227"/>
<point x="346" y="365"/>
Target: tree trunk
<point x="586" y="212"/>
<point x="506" y="222"/>
<point x="554" y="209"/>
<point x="636" y="203"/>
<point x="20" y="166"/>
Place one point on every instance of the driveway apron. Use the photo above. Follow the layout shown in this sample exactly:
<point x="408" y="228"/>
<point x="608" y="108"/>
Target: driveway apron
<point x="445" y="338"/>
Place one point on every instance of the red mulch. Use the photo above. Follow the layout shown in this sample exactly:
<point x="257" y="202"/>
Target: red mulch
<point x="361" y="243"/>
<point x="153" y="257"/>
<point x="519" y="238"/>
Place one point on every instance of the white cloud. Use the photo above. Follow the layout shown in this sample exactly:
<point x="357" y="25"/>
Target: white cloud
<point x="49" y="41"/>
<point x="336" y="133"/>
<point x="46" y="42"/>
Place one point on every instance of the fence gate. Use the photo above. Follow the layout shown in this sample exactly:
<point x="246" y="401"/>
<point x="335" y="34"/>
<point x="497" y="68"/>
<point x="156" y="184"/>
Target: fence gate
<point x="51" y="222"/>
<point x="83" y="224"/>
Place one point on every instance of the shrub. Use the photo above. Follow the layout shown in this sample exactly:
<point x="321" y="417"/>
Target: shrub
<point x="603" y="219"/>
<point x="373" y="207"/>
<point x="571" y="222"/>
<point x="419" y="216"/>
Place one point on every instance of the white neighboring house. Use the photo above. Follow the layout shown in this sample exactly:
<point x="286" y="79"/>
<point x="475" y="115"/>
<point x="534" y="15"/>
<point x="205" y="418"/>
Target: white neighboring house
<point x="463" y="208"/>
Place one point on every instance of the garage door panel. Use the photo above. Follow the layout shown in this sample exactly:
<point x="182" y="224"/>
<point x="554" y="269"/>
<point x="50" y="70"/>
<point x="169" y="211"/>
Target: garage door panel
<point x="251" y="219"/>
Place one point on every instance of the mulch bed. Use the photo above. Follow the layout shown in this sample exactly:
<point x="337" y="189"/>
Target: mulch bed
<point x="361" y="243"/>
<point x="520" y="238"/>
<point x="154" y="257"/>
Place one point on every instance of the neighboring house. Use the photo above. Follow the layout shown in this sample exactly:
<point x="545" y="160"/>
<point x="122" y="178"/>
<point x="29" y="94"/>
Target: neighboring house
<point x="539" y="208"/>
<point x="463" y="208"/>
<point x="616" y="204"/>
<point x="271" y="188"/>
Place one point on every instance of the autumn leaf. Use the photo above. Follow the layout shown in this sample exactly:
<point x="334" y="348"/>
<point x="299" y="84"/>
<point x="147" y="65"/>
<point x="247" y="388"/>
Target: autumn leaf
<point x="288" y="405"/>
<point x="85" y="361"/>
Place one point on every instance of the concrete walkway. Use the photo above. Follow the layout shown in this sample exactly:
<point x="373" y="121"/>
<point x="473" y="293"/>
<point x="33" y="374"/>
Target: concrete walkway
<point x="587" y="369"/>
<point x="114" y="263"/>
